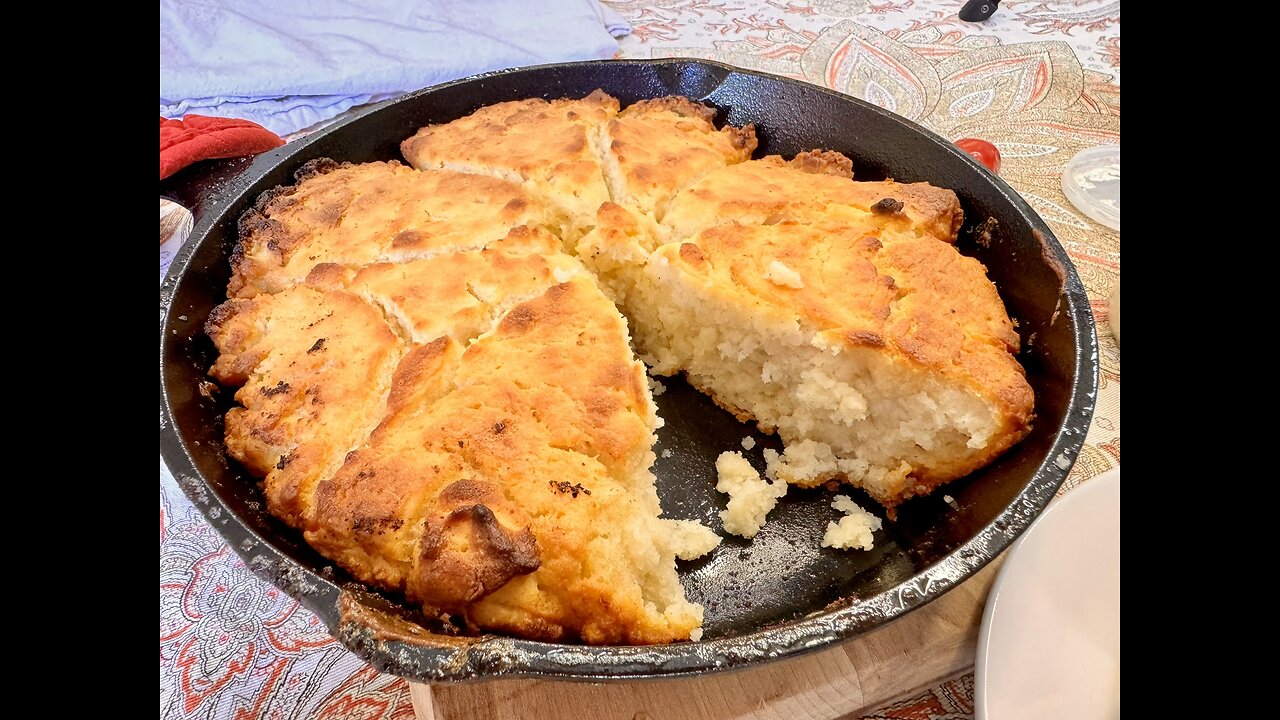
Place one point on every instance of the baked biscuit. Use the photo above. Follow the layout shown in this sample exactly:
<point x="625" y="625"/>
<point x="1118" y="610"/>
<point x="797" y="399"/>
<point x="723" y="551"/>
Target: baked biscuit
<point x="460" y="294"/>
<point x="551" y="148"/>
<point x="515" y="442"/>
<point x="313" y="367"/>
<point x="812" y="187"/>
<point x="834" y="312"/>
<point x="655" y="148"/>
<point x="445" y="400"/>
<point x="882" y="359"/>
<point x="372" y="212"/>
<point x="509" y="482"/>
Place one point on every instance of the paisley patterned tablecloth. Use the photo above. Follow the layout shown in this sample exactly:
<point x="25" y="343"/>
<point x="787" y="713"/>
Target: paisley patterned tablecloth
<point x="1041" y="80"/>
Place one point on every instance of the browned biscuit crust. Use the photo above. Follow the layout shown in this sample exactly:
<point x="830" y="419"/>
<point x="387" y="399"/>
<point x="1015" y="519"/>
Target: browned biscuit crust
<point x="447" y="406"/>
<point x="359" y="214"/>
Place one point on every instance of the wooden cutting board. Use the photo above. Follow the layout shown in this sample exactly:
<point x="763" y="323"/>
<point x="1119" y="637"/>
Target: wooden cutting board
<point x="926" y="646"/>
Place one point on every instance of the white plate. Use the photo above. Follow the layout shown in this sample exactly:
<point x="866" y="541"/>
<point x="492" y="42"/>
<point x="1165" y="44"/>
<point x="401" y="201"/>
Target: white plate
<point x="1091" y="181"/>
<point x="1050" y="640"/>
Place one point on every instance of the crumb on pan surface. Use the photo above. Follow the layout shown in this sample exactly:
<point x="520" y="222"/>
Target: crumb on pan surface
<point x="856" y="530"/>
<point x="751" y="498"/>
<point x="692" y="539"/>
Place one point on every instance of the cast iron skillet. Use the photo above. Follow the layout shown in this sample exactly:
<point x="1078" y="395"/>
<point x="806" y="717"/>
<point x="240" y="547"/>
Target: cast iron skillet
<point x="776" y="596"/>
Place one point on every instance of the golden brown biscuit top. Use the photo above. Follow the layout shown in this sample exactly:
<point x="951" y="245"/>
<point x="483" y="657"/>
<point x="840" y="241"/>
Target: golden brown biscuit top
<point x="311" y="364"/>
<point x="863" y="285"/>
<point x="568" y="348"/>
<point x="504" y="459"/>
<point x="526" y="137"/>
<point x="458" y="293"/>
<point x="814" y="187"/>
<point x="656" y="147"/>
<point x="552" y="147"/>
<point x="372" y="212"/>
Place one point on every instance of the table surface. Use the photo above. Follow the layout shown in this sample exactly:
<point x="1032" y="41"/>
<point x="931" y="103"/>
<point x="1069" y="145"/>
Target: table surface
<point x="1040" y="80"/>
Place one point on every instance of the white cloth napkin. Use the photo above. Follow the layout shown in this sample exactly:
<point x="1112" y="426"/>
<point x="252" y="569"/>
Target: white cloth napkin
<point x="290" y="64"/>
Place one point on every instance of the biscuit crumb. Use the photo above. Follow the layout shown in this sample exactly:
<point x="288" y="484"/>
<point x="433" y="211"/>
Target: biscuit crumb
<point x="750" y="497"/>
<point x="691" y="539"/>
<point x="855" y="530"/>
<point x="655" y="387"/>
